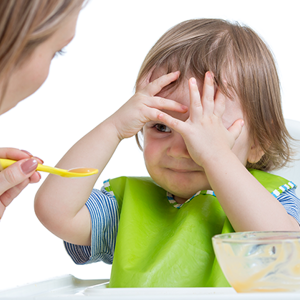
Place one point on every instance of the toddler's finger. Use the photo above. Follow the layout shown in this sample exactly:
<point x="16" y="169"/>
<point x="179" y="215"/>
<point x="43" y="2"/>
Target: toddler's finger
<point x="219" y="107"/>
<point x="171" y="122"/>
<point x="236" y="128"/>
<point x="145" y="80"/>
<point x="208" y="94"/>
<point x="167" y="104"/>
<point x="195" y="100"/>
<point x="158" y="84"/>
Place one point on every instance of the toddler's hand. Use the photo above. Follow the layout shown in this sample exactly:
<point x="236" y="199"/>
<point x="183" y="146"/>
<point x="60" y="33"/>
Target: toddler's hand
<point x="144" y="106"/>
<point x="203" y="132"/>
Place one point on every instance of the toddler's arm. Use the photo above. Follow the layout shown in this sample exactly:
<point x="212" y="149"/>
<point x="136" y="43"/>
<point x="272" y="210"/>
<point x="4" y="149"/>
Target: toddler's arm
<point x="248" y="205"/>
<point x="60" y="202"/>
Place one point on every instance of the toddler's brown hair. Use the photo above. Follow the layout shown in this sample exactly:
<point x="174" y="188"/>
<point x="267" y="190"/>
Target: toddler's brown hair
<point x="242" y="65"/>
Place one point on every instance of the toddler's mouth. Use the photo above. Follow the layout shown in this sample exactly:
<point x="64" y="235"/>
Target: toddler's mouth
<point x="185" y="170"/>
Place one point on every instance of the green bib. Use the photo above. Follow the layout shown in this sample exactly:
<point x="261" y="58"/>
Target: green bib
<point x="159" y="245"/>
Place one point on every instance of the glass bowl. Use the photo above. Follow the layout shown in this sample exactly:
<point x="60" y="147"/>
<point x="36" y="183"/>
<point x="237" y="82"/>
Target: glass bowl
<point x="260" y="261"/>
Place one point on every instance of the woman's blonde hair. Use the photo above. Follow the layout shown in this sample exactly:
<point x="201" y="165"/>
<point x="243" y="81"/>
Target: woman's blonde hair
<point x="242" y="65"/>
<point x="24" y="24"/>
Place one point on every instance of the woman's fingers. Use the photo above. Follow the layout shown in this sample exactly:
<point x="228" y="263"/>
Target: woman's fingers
<point x="13" y="153"/>
<point x="35" y="177"/>
<point x="8" y="196"/>
<point x="16" y="173"/>
<point x="14" y="179"/>
<point x="16" y="154"/>
<point x="158" y="84"/>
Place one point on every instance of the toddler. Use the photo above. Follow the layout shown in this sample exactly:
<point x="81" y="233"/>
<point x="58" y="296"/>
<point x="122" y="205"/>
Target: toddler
<point x="208" y="106"/>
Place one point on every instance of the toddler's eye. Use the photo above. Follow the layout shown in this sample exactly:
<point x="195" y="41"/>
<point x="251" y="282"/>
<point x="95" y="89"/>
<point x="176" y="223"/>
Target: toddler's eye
<point x="162" y="128"/>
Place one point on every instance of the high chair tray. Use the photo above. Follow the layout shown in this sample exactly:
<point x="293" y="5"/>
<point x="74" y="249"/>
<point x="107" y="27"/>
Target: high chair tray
<point x="69" y="287"/>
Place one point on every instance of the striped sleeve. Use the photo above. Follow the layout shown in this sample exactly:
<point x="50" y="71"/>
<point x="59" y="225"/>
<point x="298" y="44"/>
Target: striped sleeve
<point x="291" y="203"/>
<point x="103" y="209"/>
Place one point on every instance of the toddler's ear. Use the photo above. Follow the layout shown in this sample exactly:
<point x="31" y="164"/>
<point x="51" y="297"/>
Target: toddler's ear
<point x="256" y="153"/>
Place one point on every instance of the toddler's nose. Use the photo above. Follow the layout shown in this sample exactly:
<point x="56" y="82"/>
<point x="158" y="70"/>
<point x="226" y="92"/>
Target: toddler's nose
<point x="177" y="147"/>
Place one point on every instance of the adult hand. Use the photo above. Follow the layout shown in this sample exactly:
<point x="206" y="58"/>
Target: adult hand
<point x="17" y="176"/>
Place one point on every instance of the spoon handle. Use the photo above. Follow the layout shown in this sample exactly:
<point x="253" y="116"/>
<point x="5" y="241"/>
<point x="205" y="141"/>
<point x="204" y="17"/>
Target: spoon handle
<point x="7" y="162"/>
<point x="4" y="163"/>
<point x="51" y="170"/>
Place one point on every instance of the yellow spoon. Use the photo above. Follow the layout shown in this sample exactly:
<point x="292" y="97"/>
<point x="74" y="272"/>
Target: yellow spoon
<point x="78" y="172"/>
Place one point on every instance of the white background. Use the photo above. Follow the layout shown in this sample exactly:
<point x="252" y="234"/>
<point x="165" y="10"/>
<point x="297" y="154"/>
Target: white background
<point x="94" y="78"/>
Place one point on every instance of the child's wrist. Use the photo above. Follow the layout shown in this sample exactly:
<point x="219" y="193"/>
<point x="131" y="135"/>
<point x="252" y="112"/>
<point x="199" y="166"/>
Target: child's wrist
<point x="111" y="127"/>
<point x="215" y="160"/>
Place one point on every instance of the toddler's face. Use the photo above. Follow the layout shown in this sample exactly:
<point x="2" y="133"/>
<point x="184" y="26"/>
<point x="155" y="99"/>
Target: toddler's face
<point x="167" y="159"/>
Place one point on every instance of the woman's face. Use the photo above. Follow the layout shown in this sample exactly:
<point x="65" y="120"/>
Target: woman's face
<point x="32" y="73"/>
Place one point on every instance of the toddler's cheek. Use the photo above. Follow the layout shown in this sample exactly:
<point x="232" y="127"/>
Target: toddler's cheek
<point x="149" y="154"/>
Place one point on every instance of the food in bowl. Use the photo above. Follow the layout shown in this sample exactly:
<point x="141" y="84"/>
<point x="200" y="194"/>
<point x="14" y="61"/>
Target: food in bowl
<point x="260" y="261"/>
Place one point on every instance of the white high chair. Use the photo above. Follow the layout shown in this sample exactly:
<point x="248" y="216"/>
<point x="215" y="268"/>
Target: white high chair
<point x="292" y="172"/>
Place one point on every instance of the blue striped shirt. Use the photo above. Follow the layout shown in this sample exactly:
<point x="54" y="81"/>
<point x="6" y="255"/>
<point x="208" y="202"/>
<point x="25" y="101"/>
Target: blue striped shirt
<point x="103" y="208"/>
